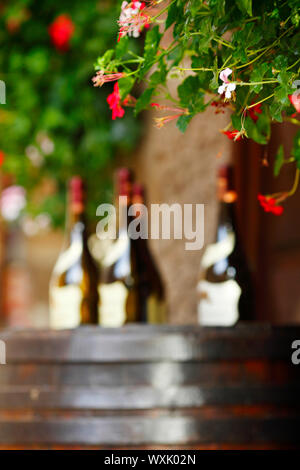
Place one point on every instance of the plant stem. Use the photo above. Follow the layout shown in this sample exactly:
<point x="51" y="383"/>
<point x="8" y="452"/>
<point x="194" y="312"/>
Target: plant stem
<point x="163" y="10"/>
<point x="258" y="102"/>
<point x="293" y="65"/>
<point x="255" y="83"/>
<point x="292" y="120"/>
<point x="267" y="49"/>
<point x="296" y="183"/>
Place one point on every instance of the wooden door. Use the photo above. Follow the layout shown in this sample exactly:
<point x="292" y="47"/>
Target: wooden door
<point x="272" y="243"/>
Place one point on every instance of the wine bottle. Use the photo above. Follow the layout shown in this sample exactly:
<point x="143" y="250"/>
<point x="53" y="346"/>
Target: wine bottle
<point x="225" y="287"/>
<point x="74" y="295"/>
<point x="150" y="296"/>
<point x="130" y="289"/>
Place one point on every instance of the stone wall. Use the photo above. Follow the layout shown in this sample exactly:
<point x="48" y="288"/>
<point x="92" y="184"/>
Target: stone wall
<point x="181" y="168"/>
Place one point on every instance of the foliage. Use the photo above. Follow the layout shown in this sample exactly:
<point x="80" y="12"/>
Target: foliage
<point x="240" y="54"/>
<point x="54" y="123"/>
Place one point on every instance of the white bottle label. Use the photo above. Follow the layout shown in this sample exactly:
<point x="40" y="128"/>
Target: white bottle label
<point x="112" y="310"/>
<point x="218" y="304"/>
<point x="218" y="251"/>
<point x="65" y="305"/>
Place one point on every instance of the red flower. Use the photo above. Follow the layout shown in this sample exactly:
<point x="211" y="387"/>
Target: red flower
<point x="233" y="135"/>
<point x="295" y="100"/>
<point x="61" y="31"/>
<point x="254" y="111"/>
<point x="2" y="157"/>
<point x="269" y="204"/>
<point x="114" y="102"/>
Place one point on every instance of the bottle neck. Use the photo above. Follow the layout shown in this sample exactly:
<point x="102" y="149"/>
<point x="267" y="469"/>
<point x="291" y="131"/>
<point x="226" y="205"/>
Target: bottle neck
<point x="226" y="213"/>
<point x="76" y="222"/>
<point x="123" y="220"/>
<point x="227" y="198"/>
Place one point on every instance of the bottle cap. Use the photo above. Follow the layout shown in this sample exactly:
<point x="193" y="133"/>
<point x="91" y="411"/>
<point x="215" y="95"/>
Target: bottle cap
<point x="77" y="193"/>
<point x="138" y="190"/>
<point x="124" y="178"/>
<point x="124" y="174"/>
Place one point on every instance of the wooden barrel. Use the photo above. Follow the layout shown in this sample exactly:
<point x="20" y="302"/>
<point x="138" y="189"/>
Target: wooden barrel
<point x="150" y="387"/>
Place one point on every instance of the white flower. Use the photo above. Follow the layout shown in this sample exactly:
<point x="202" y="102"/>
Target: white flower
<point x="228" y="87"/>
<point x="131" y="19"/>
<point x="224" y="74"/>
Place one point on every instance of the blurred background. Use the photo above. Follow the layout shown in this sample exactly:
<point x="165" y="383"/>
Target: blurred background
<point x="56" y="124"/>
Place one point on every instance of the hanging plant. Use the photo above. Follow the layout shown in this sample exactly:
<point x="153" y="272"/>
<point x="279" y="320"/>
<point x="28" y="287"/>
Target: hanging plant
<point x="54" y="124"/>
<point x="235" y="54"/>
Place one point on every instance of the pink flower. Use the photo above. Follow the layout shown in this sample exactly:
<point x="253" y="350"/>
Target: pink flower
<point x="102" y="77"/>
<point x="61" y="31"/>
<point x="163" y="107"/>
<point x="228" y="87"/>
<point x="224" y="74"/>
<point x="160" y="122"/>
<point x="114" y="102"/>
<point x="133" y="19"/>
<point x="295" y="100"/>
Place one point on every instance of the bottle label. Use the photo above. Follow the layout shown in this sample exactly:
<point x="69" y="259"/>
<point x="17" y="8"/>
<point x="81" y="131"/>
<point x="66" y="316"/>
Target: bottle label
<point x="68" y="257"/>
<point x="65" y="303"/>
<point x="218" y="251"/>
<point x="218" y="304"/>
<point x="112" y="310"/>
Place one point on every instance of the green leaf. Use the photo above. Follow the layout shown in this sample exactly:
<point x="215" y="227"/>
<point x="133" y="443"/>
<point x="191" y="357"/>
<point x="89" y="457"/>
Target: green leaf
<point x="236" y="121"/>
<point x="144" y="100"/>
<point x="183" y="121"/>
<point x="214" y="84"/>
<point x="174" y="13"/>
<point x="125" y="85"/>
<point x="279" y="160"/>
<point x="122" y="47"/>
<point x="102" y="62"/>
<point x="259" y="131"/>
<point x="152" y="41"/>
<point x="296" y="149"/>
<point x="257" y="75"/>
<point x="245" y="6"/>
<point x="188" y="89"/>
<point x="276" y="110"/>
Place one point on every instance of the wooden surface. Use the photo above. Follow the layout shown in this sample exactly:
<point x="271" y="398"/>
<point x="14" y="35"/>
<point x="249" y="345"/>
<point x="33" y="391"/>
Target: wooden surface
<point x="272" y="244"/>
<point x="147" y="386"/>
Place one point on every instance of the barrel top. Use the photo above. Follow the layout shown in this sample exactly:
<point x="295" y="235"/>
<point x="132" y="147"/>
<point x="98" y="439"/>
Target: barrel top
<point x="142" y="343"/>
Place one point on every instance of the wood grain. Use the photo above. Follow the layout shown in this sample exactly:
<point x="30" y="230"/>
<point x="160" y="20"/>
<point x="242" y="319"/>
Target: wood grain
<point x="143" y="386"/>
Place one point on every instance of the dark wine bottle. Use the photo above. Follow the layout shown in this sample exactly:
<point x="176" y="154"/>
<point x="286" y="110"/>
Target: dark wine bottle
<point x="225" y="286"/>
<point x="74" y="283"/>
<point x="130" y="289"/>
<point x="151" y="304"/>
